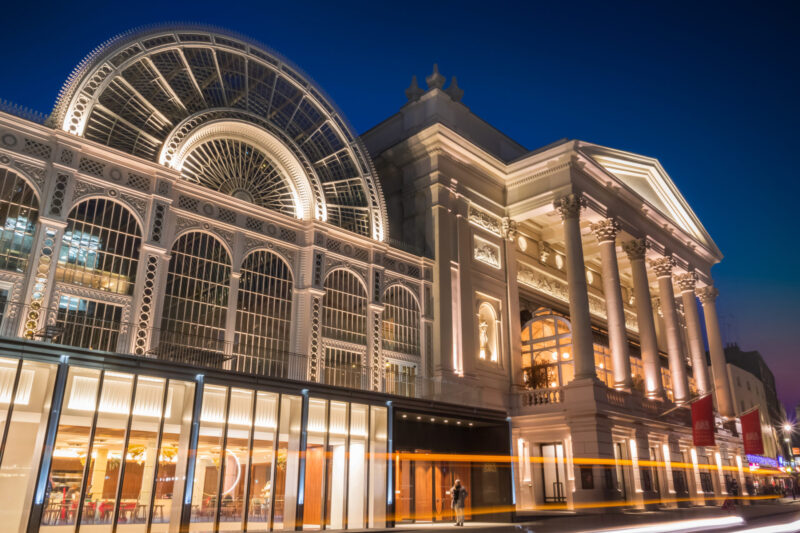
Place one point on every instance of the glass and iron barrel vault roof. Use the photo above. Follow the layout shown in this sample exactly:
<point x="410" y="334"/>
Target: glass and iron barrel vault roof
<point x="229" y="114"/>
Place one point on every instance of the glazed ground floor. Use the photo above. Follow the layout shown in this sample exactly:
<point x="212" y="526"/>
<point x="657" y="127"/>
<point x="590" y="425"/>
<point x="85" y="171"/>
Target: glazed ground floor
<point x="103" y="443"/>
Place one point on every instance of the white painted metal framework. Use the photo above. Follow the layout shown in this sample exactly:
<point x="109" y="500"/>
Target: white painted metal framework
<point x="19" y="211"/>
<point x="344" y="308"/>
<point x="145" y="92"/>
<point x="100" y="247"/>
<point x="196" y="293"/>
<point x="401" y="321"/>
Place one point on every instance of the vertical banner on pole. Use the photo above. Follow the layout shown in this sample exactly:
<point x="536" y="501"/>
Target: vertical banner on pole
<point x="703" y="421"/>
<point x="751" y="433"/>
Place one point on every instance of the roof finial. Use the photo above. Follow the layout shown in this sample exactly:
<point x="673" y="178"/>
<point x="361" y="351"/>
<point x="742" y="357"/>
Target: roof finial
<point x="414" y="92"/>
<point x="455" y="92"/>
<point x="435" y="80"/>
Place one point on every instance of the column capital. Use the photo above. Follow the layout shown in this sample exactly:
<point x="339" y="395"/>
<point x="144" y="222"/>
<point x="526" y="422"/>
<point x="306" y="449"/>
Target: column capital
<point x="605" y="230"/>
<point x="707" y="294"/>
<point x="663" y="266"/>
<point x="570" y="206"/>
<point x="635" y="248"/>
<point x="686" y="282"/>
<point x="508" y="227"/>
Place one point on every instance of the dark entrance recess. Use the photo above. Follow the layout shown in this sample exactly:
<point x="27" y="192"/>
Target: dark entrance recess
<point x="422" y="485"/>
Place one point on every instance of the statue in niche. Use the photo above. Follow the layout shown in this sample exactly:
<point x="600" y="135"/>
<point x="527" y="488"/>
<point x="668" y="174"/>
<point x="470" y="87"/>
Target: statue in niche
<point x="483" y="337"/>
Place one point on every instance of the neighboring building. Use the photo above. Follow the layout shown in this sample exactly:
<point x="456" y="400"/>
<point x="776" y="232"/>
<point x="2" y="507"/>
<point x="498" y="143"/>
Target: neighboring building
<point x="749" y="393"/>
<point x="217" y="313"/>
<point x="773" y="415"/>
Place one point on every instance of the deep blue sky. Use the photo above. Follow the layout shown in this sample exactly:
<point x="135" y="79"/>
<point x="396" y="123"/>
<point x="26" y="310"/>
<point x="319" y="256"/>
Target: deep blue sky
<point x="711" y="90"/>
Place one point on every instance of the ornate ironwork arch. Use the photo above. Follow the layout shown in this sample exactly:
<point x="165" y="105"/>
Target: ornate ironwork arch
<point x="135" y="92"/>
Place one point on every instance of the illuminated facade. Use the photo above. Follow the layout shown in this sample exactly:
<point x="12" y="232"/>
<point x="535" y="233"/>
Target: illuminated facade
<point x="218" y="312"/>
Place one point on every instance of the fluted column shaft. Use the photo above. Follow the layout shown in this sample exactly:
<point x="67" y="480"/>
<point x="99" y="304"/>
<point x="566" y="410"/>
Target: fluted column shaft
<point x="686" y="283"/>
<point x="582" y="346"/>
<point x="677" y="361"/>
<point x="719" y="366"/>
<point x="644" y="315"/>
<point x="606" y="233"/>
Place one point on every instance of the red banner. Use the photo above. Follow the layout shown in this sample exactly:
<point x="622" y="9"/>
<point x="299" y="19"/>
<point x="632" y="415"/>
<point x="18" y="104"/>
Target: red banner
<point x="751" y="433"/>
<point x="703" y="421"/>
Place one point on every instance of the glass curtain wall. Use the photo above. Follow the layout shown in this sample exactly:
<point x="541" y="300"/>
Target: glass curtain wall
<point x="120" y="446"/>
<point x="23" y="424"/>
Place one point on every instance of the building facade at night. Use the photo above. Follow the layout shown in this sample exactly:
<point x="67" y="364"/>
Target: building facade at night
<point x="222" y="308"/>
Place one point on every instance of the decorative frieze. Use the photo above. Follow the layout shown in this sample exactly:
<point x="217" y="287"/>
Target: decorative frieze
<point x="35" y="173"/>
<point x="558" y="289"/>
<point x="85" y="188"/>
<point x="485" y="220"/>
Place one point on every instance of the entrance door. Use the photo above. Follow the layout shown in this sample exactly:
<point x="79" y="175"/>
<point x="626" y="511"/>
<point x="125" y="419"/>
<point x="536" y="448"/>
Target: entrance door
<point x="619" y="456"/>
<point x="553" y="473"/>
<point x="423" y="491"/>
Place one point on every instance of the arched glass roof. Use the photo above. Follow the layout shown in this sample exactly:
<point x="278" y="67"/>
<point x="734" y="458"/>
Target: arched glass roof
<point x="145" y="91"/>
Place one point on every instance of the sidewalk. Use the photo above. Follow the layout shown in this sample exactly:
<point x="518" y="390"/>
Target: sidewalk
<point x="565" y="522"/>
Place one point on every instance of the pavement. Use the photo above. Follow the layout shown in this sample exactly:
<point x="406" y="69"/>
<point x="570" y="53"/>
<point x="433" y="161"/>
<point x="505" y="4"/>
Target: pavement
<point x="760" y="517"/>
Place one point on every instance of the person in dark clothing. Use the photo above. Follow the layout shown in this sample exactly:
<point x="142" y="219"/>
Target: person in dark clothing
<point x="459" y="495"/>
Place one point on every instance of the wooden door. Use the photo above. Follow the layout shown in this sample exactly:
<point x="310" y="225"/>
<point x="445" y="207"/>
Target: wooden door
<point x="312" y="505"/>
<point x="423" y="491"/>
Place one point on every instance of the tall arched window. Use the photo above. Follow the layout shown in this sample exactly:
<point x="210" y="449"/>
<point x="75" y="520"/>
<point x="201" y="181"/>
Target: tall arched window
<point x="263" y="313"/>
<point x="195" y="300"/>
<point x="547" y="351"/>
<point x="344" y="318"/>
<point x="487" y="333"/>
<point x="19" y="211"/>
<point x="401" y="320"/>
<point x="100" y="247"/>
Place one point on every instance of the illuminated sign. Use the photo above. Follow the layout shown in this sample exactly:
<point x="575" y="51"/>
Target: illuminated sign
<point x="761" y="460"/>
<point x="795" y="451"/>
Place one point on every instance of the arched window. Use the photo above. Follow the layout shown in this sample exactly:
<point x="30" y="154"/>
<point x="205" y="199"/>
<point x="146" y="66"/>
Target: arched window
<point x="401" y="319"/>
<point x="195" y="300"/>
<point x="487" y="333"/>
<point x="344" y="308"/>
<point x="263" y="313"/>
<point x="344" y="318"/>
<point x="547" y="351"/>
<point x="19" y="211"/>
<point x="100" y="247"/>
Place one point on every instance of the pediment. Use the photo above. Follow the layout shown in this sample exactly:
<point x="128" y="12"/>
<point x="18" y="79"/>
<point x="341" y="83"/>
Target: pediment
<point x="647" y="178"/>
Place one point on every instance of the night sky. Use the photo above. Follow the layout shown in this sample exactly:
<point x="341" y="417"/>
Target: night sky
<point x="711" y="90"/>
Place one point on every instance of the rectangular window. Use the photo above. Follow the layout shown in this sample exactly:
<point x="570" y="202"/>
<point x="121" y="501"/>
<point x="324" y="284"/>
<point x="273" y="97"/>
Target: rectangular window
<point x="401" y="378"/>
<point x="205" y="491"/>
<point x="343" y="368"/>
<point x="88" y="324"/>
<point x="262" y="464"/>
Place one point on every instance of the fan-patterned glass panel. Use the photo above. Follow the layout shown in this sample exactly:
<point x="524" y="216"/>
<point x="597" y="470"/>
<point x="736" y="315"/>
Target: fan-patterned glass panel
<point x="239" y="169"/>
<point x="19" y="211"/>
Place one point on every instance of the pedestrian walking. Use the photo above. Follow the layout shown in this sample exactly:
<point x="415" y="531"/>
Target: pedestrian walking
<point x="459" y="495"/>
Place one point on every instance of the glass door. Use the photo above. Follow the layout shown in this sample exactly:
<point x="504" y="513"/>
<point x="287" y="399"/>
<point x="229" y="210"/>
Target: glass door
<point x="553" y="473"/>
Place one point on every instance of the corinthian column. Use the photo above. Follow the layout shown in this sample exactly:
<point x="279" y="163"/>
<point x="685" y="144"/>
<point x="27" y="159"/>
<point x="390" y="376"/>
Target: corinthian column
<point x="686" y="283"/>
<point x="582" y="347"/>
<point x="722" y="386"/>
<point x="606" y="233"/>
<point x="677" y="362"/>
<point x="644" y="316"/>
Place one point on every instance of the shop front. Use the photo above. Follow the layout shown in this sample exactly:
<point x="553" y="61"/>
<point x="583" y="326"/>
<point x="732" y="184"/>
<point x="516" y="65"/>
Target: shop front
<point x="102" y="443"/>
